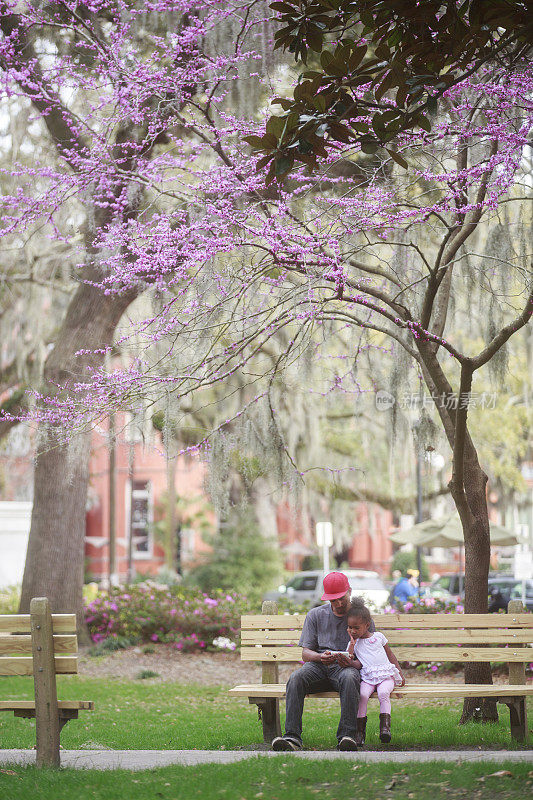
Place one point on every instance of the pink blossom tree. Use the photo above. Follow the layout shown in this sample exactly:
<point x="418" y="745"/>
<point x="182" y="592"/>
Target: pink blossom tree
<point x="148" y="108"/>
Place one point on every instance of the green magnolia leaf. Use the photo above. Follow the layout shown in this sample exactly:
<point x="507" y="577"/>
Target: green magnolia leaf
<point x="275" y="126"/>
<point x="423" y="123"/>
<point x="285" y="8"/>
<point x="263" y="162"/>
<point x="340" y="133"/>
<point x="432" y="106"/>
<point x="269" y="141"/>
<point x="283" y="102"/>
<point x="284" y="165"/>
<point x="370" y="147"/>
<point x="255" y="141"/>
<point x="356" y="57"/>
<point x="320" y="102"/>
<point x="326" y="58"/>
<point x="315" y="39"/>
<point x="378" y="125"/>
<point x="388" y="82"/>
<point x="271" y="174"/>
<point x="398" y="158"/>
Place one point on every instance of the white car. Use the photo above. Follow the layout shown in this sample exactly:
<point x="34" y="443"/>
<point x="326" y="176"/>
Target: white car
<point x="306" y="587"/>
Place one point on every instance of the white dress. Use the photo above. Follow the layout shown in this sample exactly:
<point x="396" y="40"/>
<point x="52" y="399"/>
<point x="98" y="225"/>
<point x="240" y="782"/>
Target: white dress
<point x="376" y="666"/>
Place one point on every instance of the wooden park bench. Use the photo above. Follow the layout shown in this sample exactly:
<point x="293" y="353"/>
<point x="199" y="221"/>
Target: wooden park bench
<point x="272" y="638"/>
<point x="43" y="645"/>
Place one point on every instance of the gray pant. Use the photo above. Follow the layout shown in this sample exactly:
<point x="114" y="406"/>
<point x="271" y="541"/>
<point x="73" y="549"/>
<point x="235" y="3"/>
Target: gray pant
<point x="314" y="677"/>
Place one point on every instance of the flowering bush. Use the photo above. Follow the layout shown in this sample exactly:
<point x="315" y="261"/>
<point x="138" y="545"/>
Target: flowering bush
<point x="189" y="620"/>
<point x="426" y="605"/>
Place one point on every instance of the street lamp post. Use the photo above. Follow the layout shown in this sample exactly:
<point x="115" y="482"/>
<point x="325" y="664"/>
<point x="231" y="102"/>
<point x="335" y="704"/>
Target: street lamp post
<point x="419" y="514"/>
<point x="324" y="539"/>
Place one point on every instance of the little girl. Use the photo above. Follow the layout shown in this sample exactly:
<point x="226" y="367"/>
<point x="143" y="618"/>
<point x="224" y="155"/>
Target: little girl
<point x="379" y="670"/>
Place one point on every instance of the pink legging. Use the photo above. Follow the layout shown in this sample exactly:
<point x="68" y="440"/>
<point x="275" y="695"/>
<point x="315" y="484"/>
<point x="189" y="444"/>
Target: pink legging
<point x="383" y="689"/>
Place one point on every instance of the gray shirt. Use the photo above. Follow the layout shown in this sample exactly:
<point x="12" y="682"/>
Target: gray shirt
<point x="324" y="630"/>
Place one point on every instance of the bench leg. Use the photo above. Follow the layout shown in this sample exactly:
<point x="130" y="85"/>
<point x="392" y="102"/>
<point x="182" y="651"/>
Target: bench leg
<point x="518" y="716"/>
<point x="65" y="715"/>
<point x="271" y="723"/>
<point x="268" y="708"/>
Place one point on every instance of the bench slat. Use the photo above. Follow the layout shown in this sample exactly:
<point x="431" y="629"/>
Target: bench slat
<point x="20" y="623"/>
<point x="409" y="690"/>
<point x="22" y="665"/>
<point x="475" y="636"/>
<point x="425" y="621"/>
<point x="63" y="643"/>
<point x="418" y="654"/>
<point x="69" y="705"/>
<point x="409" y="621"/>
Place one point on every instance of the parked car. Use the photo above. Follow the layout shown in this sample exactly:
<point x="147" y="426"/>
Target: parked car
<point x="306" y="587"/>
<point x="511" y="589"/>
<point x="451" y="587"/>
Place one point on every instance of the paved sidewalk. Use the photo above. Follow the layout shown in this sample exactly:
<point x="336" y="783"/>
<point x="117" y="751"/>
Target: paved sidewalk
<point x="150" y="759"/>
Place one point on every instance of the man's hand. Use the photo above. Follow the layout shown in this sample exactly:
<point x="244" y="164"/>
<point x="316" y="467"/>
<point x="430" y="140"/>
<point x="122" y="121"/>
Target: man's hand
<point x="327" y="657"/>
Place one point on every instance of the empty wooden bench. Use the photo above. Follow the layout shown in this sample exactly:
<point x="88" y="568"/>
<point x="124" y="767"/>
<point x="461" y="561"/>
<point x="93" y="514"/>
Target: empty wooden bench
<point x="272" y="638"/>
<point x="43" y="645"/>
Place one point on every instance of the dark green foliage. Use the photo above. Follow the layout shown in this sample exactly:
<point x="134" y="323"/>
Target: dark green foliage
<point x="404" y="560"/>
<point x="241" y="560"/>
<point x="113" y="643"/>
<point x="407" y="52"/>
<point x="143" y="674"/>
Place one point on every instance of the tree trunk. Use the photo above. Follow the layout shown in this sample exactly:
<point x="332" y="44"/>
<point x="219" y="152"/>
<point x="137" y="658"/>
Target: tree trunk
<point x="468" y="489"/>
<point x="54" y="562"/>
<point x="477" y="561"/>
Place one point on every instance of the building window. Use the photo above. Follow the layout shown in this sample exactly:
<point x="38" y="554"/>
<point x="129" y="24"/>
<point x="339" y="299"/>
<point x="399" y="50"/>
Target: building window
<point x="141" y="519"/>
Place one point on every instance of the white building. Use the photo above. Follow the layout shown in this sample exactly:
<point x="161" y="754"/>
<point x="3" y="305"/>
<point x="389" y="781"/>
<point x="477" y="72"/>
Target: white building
<point x="15" y="518"/>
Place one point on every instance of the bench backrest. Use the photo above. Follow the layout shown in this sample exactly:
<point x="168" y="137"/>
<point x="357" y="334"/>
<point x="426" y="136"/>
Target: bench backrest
<point x="414" y="637"/>
<point x="18" y="634"/>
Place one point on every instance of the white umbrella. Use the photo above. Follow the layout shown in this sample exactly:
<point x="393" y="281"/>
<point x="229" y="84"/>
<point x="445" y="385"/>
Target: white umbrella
<point x="448" y="532"/>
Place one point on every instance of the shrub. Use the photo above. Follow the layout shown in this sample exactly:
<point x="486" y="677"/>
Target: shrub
<point x="9" y="600"/>
<point x="187" y="619"/>
<point x="109" y="645"/>
<point x="143" y="674"/>
<point x="241" y="557"/>
<point x="406" y="559"/>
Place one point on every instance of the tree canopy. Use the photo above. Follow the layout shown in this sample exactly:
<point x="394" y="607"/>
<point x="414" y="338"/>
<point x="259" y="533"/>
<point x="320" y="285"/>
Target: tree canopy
<point x="376" y="68"/>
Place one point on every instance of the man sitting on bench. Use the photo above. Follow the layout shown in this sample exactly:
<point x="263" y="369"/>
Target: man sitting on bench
<point x="324" y="639"/>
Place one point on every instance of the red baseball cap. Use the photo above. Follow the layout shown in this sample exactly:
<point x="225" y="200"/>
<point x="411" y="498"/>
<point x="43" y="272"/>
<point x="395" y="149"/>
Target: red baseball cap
<point x="335" y="585"/>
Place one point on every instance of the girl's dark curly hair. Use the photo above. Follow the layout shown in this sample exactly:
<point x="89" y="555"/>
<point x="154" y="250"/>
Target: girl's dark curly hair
<point x="359" y="610"/>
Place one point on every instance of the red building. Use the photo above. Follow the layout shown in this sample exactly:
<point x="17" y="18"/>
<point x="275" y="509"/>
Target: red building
<point x="141" y="477"/>
<point x="370" y="547"/>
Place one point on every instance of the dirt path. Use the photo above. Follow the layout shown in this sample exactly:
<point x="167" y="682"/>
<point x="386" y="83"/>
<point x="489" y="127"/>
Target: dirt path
<point x="207" y="669"/>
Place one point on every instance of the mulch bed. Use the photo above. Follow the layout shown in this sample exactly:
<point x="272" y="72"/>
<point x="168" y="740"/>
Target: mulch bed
<point x="208" y="669"/>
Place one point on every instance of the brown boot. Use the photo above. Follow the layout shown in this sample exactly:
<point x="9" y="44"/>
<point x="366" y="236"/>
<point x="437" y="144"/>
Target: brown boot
<point x="360" y="731"/>
<point x="384" y="728"/>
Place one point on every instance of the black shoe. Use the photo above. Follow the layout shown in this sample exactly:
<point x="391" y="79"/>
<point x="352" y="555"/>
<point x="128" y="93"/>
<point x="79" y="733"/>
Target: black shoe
<point x="384" y="728"/>
<point x="361" y="731"/>
<point x="347" y="743"/>
<point x="286" y="744"/>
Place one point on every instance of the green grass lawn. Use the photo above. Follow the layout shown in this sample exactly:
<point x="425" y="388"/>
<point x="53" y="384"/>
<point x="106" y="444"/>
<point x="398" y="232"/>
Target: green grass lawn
<point x="280" y="778"/>
<point x="150" y="715"/>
